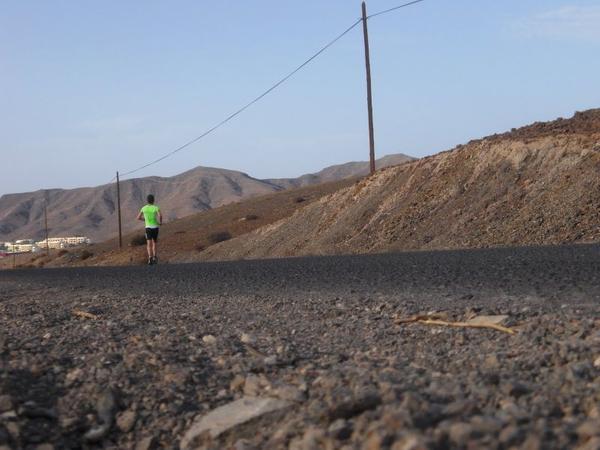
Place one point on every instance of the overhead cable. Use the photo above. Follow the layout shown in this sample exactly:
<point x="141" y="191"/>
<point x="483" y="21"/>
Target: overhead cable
<point x="242" y="109"/>
<point x="395" y="8"/>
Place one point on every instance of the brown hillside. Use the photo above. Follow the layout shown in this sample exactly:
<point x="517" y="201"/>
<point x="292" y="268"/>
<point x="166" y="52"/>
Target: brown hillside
<point x="535" y="185"/>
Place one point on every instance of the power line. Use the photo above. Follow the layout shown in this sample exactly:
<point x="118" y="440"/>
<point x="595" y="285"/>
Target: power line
<point x="239" y="111"/>
<point x="394" y="8"/>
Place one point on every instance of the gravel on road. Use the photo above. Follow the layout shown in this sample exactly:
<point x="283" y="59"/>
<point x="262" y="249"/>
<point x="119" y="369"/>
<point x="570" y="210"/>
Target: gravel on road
<point x="305" y="353"/>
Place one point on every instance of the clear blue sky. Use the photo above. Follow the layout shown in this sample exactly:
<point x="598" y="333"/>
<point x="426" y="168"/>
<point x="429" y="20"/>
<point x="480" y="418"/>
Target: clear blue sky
<point x="87" y="88"/>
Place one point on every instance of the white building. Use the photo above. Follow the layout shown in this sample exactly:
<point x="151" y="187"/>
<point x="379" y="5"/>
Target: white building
<point x="63" y="242"/>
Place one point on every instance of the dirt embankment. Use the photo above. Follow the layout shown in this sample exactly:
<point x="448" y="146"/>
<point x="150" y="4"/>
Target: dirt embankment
<point x="534" y="186"/>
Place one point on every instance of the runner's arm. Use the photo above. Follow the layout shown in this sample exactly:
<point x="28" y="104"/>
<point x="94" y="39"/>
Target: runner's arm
<point x="140" y="216"/>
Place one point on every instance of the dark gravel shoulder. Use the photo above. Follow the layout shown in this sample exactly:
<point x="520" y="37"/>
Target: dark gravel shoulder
<point x="138" y="357"/>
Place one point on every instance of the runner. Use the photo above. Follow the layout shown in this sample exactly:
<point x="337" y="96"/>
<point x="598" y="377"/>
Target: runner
<point x="152" y="216"/>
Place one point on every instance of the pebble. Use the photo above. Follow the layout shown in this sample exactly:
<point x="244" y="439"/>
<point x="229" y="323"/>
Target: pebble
<point x="247" y="338"/>
<point x="270" y="360"/>
<point x="340" y="429"/>
<point x="126" y="420"/>
<point x="44" y="446"/>
<point x="147" y="443"/>
<point x="589" y="428"/>
<point x="6" y="403"/>
<point x="209" y="339"/>
<point x="459" y="433"/>
<point x="597" y="362"/>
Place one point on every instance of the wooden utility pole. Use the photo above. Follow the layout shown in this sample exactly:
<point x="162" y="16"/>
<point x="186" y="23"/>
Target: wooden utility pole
<point x="119" y="211"/>
<point x="369" y="92"/>
<point x="46" y="226"/>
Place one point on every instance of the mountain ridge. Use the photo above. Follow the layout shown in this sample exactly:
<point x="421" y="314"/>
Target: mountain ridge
<point x="91" y="211"/>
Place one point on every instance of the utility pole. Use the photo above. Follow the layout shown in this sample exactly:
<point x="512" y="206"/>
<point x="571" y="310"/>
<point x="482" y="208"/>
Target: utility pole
<point x="369" y="92"/>
<point x="119" y="211"/>
<point x="46" y="226"/>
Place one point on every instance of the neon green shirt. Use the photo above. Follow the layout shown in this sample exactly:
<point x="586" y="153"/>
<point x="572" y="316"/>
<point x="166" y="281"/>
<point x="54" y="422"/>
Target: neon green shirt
<point x="150" y="213"/>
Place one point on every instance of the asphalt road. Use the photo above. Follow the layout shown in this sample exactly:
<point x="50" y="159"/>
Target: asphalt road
<point x="549" y="275"/>
<point x="166" y="345"/>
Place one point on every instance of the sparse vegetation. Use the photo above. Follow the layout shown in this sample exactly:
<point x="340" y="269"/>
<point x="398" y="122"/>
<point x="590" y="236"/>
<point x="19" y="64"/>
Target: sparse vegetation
<point x="62" y="252"/>
<point x="86" y="254"/>
<point x="219" y="236"/>
<point x="299" y="199"/>
<point x="138" y="240"/>
<point x="251" y="217"/>
<point x="200" y="248"/>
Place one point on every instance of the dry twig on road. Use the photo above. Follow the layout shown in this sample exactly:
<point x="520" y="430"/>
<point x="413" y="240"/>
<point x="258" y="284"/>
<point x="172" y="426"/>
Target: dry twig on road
<point x="429" y="320"/>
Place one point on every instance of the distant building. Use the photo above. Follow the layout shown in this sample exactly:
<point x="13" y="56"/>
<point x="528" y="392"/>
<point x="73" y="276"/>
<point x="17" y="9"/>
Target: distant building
<point x="63" y="242"/>
<point x="22" y="247"/>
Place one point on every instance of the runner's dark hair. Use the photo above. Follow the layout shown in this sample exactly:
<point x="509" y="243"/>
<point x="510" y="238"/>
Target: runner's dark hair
<point x="150" y="198"/>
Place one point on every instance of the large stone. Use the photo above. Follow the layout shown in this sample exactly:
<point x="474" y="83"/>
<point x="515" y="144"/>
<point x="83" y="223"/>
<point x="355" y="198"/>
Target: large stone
<point x="229" y="416"/>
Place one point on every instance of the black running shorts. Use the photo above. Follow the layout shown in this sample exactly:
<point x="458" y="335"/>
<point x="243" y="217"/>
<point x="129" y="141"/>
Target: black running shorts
<point x="152" y="234"/>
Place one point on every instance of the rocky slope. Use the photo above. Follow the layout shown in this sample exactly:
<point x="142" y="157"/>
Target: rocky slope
<point x="536" y="185"/>
<point x="92" y="211"/>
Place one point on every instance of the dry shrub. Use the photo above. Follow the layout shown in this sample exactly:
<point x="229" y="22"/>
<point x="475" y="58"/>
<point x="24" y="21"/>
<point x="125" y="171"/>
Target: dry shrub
<point x="219" y="236"/>
<point x="138" y="240"/>
<point x="86" y="254"/>
<point x="200" y="248"/>
<point x="251" y="217"/>
<point x="299" y="199"/>
<point x="62" y="252"/>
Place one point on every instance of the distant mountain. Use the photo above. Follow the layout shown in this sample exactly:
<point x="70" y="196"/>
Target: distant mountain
<point x="92" y="211"/>
<point x="340" y="172"/>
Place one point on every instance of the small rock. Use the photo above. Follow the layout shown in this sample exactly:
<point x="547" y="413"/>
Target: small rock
<point x="6" y="403"/>
<point x="588" y="429"/>
<point x="252" y="386"/>
<point x="532" y="442"/>
<point x="13" y="429"/>
<point x="290" y="393"/>
<point x="410" y="442"/>
<point x="340" y="429"/>
<point x="209" y="339"/>
<point x="582" y="370"/>
<point x="126" y="421"/>
<point x="147" y="443"/>
<point x="592" y="444"/>
<point x="597" y="362"/>
<point x="460" y="433"/>
<point x="45" y="446"/>
<point x="96" y="434"/>
<point x="73" y="376"/>
<point x="243" y="444"/>
<point x="510" y="435"/>
<point x="363" y="401"/>
<point x="237" y="383"/>
<point x="517" y="388"/>
<point x="248" y="339"/>
<point x="270" y="360"/>
<point x="491" y="362"/>
<point x="106" y="407"/>
<point x="178" y="377"/>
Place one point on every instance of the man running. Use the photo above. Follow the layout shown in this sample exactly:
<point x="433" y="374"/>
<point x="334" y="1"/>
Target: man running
<point x="151" y="215"/>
